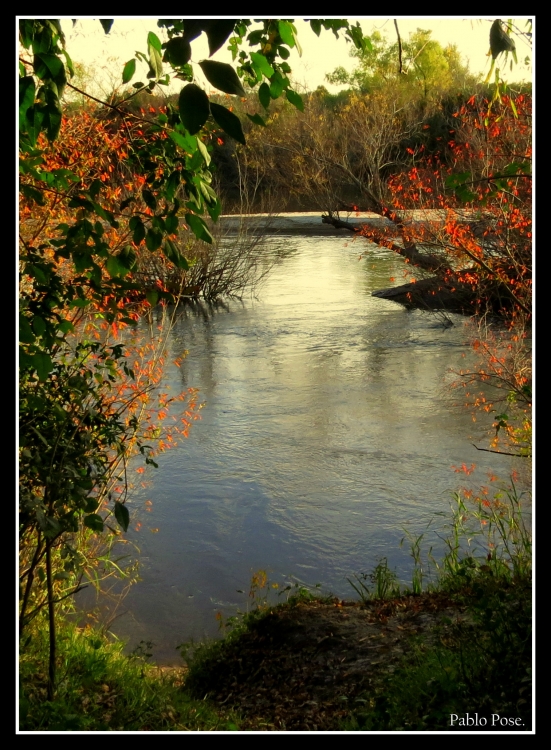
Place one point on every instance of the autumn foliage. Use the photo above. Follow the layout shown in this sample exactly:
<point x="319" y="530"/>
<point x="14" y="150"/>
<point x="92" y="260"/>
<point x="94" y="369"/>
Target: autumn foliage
<point x="477" y="194"/>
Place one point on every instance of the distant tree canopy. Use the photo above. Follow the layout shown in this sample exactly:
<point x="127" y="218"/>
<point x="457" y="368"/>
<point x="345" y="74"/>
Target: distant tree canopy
<point x="428" y="68"/>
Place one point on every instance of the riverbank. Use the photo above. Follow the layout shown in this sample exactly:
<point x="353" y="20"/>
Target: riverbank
<point x="406" y="663"/>
<point x="399" y="659"/>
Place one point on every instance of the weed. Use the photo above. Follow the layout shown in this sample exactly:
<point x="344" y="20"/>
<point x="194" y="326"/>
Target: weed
<point x="384" y="583"/>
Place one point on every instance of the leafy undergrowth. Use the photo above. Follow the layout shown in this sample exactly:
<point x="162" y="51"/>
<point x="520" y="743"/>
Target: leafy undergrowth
<point x="101" y="689"/>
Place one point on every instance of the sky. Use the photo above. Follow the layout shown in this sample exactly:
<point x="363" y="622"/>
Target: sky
<point x="87" y="43"/>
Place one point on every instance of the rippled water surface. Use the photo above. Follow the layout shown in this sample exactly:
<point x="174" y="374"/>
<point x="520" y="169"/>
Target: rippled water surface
<point x="328" y="428"/>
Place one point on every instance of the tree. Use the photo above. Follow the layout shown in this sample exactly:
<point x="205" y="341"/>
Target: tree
<point x="148" y="183"/>
<point x="420" y="64"/>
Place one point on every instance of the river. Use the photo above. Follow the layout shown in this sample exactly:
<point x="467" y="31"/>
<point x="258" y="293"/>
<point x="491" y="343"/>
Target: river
<point x="329" y="428"/>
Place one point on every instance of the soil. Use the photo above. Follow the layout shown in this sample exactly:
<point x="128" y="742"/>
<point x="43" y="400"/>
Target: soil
<point x="303" y="667"/>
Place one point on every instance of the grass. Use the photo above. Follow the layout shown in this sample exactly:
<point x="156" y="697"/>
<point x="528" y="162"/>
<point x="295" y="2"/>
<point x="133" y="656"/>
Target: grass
<point x="101" y="689"/>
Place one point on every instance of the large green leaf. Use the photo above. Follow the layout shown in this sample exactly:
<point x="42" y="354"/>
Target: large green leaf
<point x="138" y="230"/>
<point x="153" y="240"/>
<point x="315" y="25"/>
<point x="94" y="522"/>
<point x="287" y="33"/>
<point x="26" y="335"/>
<point x="155" y="60"/>
<point x="34" y="118"/>
<point x="264" y="95"/>
<point x="193" y="105"/>
<point x="204" y="153"/>
<point x="295" y="99"/>
<point x="230" y="123"/>
<point x="187" y="142"/>
<point x="31" y="193"/>
<point x="172" y="185"/>
<point x="45" y="64"/>
<point x="172" y="252"/>
<point x="222" y="76"/>
<point x="43" y="365"/>
<point x="218" y="32"/>
<point x="256" y="119"/>
<point x="199" y="228"/>
<point x="114" y="267"/>
<point x="27" y="92"/>
<point x="149" y="199"/>
<point x="261" y="64"/>
<point x="129" y="70"/>
<point x="214" y="209"/>
<point x="177" y="52"/>
<point x="122" y="515"/>
<point x="154" y="41"/>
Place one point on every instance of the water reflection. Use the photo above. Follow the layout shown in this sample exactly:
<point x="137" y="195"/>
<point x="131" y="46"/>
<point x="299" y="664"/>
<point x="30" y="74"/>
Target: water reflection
<point x="327" y="430"/>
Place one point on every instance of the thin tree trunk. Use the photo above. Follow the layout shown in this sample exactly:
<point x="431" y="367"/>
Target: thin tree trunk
<point x="51" y="622"/>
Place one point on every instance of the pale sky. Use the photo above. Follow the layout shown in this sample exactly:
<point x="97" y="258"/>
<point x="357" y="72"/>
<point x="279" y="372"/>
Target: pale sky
<point x="87" y="43"/>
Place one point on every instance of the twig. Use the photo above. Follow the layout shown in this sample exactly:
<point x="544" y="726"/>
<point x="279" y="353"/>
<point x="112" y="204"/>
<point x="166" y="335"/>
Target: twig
<point x="501" y="453"/>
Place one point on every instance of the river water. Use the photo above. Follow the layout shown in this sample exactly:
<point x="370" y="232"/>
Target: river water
<point x="328" y="430"/>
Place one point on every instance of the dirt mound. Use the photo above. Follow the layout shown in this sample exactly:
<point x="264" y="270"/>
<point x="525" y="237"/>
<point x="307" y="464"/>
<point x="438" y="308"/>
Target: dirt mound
<point x="301" y="667"/>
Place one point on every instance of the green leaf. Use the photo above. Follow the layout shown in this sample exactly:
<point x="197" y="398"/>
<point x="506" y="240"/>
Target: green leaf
<point x="262" y="64"/>
<point x="230" y="123"/>
<point x="31" y="193"/>
<point x="204" y="153"/>
<point x="68" y="62"/>
<point x="186" y="142"/>
<point x="214" y="209"/>
<point x="39" y="326"/>
<point x="43" y="365"/>
<point x="193" y="105"/>
<point x="94" y="522"/>
<point x="264" y="95"/>
<point x="106" y="23"/>
<point x="172" y="252"/>
<point x="315" y="25"/>
<point x="79" y="302"/>
<point x="171" y="223"/>
<point x="153" y="240"/>
<point x="115" y="268"/>
<point x="129" y="70"/>
<point x="155" y="61"/>
<point x="27" y="92"/>
<point x="154" y="41"/>
<point x="222" y="76"/>
<point x="295" y="99"/>
<point x="287" y="33"/>
<point x="33" y="123"/>
<point x="149" y="199"/>
<point x="256" y="119"/>
<point x="26" y="335"/>
<point x="177" y="52"/>
<point x="139" y="232"/>
<point x="218" y="32"/>
<point x="172" y="184"/>
<point x="122" y="515"/>
<point x="277" y="85"/>
<point x="199" y="228"/>
<point x="46" y="63"/>
<point x="65" y="326"/>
